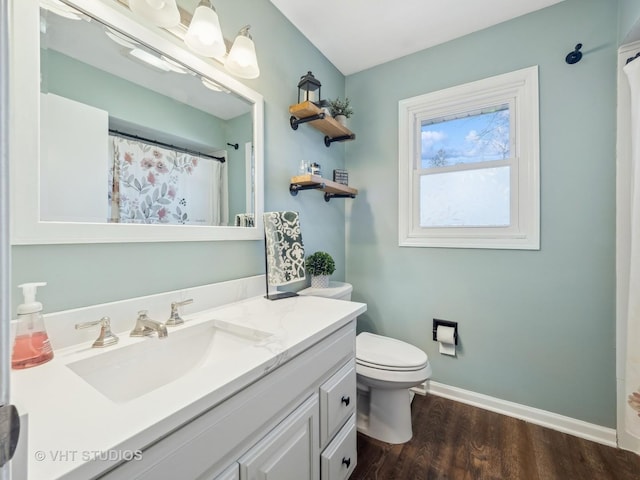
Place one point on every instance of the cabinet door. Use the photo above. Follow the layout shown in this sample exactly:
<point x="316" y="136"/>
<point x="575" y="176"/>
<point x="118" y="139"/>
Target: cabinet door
<point x="231" y="473"/>
<point x="290" y="451"/>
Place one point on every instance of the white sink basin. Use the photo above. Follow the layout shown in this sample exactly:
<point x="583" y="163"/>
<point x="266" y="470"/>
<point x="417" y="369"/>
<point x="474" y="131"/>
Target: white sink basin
<point x="124" y="373"/>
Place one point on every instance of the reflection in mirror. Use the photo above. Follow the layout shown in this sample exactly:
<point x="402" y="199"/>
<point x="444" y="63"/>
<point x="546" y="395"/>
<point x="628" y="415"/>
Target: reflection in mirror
<point x="132" y="136"/>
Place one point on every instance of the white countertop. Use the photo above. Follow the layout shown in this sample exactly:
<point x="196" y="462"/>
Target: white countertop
<point x="69" y="420"/>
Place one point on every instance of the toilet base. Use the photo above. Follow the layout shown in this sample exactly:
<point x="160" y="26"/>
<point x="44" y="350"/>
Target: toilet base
<point x="385" y="414"/>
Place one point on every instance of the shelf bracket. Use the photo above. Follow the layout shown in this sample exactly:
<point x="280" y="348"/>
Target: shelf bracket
<point x="294" y="188"/>
<point x="328" y="140"/>
<point x="328" y="196"/>
<point x="294" y="122"/>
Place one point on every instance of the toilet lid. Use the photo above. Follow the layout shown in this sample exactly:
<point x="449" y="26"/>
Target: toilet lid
<point x="388" y="353"/>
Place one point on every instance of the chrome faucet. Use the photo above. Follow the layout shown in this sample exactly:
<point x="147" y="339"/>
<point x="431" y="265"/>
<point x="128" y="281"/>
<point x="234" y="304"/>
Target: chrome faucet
<point x="175" y="318"/>
<point x="106" y="337"/>
<point x="145" y="326"/>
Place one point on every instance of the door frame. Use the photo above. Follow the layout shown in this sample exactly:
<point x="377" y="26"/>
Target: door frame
<point x="623" y="244"/>
<point x="5" y="248"/>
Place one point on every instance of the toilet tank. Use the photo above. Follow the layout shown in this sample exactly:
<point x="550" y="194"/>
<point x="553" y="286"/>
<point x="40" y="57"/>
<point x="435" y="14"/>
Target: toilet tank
<point x="337" y="290"/>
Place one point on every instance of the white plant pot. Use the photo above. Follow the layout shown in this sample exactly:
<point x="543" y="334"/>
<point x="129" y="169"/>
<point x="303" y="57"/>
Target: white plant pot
<point x="342" y="120"/>
<point x="320" y="281"/>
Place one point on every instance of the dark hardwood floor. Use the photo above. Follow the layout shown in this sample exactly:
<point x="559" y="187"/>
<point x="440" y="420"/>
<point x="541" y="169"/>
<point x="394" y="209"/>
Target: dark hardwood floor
<point x="455" y="441"/>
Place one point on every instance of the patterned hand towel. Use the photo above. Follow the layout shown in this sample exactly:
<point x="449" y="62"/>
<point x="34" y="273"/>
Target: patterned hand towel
<point x="283" y="248"/>
<point x="244" y="220"/>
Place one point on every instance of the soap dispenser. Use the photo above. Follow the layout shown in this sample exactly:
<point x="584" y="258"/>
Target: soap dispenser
<point x="31" y="346"/>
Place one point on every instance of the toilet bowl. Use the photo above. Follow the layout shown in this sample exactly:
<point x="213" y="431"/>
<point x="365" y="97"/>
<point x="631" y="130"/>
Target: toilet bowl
<point x="386" y="369"/>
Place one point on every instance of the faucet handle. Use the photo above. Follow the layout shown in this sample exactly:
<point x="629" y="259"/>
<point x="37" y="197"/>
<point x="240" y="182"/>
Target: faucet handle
<point x="175" y="318"/>
<point x="106" y="337"/>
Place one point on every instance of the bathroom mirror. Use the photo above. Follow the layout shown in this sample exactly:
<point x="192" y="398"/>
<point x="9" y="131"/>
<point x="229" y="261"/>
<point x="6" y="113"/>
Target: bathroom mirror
<point x="138" y="139"/>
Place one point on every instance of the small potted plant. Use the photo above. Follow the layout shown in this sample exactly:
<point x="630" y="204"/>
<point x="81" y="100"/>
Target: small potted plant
<point x="320" y="265"/>
<point x="341" y="110"/>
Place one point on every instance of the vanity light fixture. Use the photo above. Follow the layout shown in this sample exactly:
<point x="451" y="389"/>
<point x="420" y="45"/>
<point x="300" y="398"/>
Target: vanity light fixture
<point x="204" y="35"/>
<point x="163" y="13"/>
<point x="242" y="60"/>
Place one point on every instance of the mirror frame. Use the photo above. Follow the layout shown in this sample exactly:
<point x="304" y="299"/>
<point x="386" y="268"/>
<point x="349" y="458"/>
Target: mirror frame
<point x="24" y="136"/>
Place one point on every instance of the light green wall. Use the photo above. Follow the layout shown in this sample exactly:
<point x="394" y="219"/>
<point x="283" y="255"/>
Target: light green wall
<point x="79" y="275"/>
<point x="238" y="131"/>
<point x="628" y="21"/>
<point x="536" y="327"/>
<point x="128" y="101"/>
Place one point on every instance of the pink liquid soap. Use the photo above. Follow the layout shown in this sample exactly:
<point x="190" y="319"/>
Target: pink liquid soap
<point x="31" y="350"/>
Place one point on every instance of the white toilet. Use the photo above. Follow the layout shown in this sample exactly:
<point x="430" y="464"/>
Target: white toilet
<point x="386" y="369"/>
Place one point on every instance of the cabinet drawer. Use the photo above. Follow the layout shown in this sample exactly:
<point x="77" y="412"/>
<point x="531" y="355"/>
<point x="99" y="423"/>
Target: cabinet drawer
<point x="337" y="401"/>
<point x="340" y="458"/>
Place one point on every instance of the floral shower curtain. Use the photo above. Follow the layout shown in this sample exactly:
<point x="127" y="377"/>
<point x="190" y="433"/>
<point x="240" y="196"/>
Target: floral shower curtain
<point x="632" y="375"/>
<point x="151" y="184"/>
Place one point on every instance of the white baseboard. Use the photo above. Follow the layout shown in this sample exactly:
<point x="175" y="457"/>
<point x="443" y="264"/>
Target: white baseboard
<point x="420" y="389"/>
<point x="572" y="426"/>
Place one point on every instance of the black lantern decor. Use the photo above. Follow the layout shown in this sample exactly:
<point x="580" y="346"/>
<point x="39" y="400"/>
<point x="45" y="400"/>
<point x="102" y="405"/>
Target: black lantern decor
<point x="306" y="89"/>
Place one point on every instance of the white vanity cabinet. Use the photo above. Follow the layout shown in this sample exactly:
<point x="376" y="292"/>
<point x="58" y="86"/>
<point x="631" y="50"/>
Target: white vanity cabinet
<point x="296" y="422"/>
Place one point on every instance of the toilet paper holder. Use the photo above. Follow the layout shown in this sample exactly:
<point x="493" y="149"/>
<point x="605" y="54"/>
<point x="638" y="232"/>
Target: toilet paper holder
<point x="445" y="323"/>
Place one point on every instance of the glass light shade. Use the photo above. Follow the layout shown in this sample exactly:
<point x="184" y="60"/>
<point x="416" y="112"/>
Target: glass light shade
<point x="163" y="13"/>
<point x="242" y="60"/>
<point x="204" y="35"/>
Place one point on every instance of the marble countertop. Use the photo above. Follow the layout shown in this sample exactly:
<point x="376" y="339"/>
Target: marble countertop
<point x="75" y="432"/>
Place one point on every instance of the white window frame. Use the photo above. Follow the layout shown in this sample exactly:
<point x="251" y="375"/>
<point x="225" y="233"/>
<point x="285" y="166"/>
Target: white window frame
<point x="519" y="90"/>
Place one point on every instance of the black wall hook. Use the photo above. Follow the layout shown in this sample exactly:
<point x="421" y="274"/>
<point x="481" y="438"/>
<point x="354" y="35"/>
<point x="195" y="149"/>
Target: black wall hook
<point x="234" y="145"/>
<point x="575" y="56"/>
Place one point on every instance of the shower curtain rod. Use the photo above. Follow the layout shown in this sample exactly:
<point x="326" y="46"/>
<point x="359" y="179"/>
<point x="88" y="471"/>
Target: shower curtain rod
<point x="631" y="59"/>
<point x="168" y="145"/>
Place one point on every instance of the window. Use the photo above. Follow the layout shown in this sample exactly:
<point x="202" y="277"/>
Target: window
<point x="469" y="165"/>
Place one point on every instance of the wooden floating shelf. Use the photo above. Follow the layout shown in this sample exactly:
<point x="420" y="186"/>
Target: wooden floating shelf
<point x="308" y="112"/>
<point x="315" y="182"/>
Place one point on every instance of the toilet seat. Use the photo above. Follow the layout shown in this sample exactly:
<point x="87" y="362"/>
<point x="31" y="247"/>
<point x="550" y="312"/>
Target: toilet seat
<point x="384" y="353"/>
<point x="391" y="379"/>
<point x="389" y="367"/>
